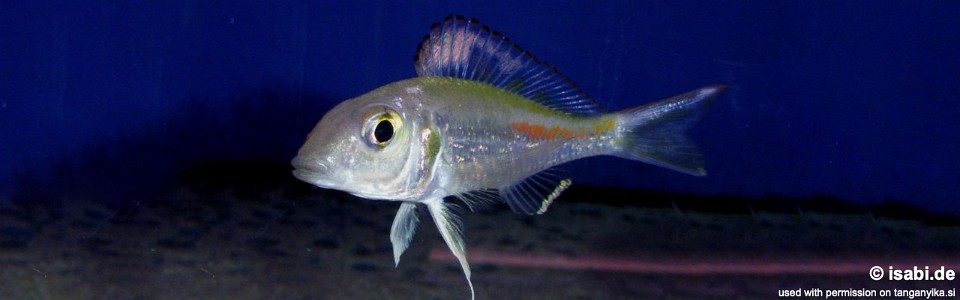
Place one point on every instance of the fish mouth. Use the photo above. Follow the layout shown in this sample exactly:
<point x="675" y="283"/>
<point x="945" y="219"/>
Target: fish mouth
<point x="312" y="171"/>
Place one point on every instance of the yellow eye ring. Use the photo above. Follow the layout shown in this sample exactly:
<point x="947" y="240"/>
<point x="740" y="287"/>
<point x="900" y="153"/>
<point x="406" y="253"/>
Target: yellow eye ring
<point x="381" y="127"/>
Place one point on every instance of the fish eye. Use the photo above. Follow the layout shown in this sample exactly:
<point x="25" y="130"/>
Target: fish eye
<point x="383" y="132"/>
<point x="380" y="127"/>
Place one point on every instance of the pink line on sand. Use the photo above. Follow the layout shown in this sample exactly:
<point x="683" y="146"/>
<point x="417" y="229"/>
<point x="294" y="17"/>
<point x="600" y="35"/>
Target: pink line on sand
<point x="687" y="266"/>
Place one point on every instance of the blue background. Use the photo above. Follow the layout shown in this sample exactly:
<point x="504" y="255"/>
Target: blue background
<point x="853" y="100"/>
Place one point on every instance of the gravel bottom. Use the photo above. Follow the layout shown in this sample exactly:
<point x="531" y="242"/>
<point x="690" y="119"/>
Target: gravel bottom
<point x="294" y="244"/>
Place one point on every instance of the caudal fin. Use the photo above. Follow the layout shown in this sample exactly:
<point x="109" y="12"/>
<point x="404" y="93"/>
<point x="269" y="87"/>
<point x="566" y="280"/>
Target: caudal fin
<point x="655" y="133"/>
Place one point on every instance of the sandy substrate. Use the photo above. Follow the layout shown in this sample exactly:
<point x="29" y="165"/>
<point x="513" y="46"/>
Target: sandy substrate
<point x="289" y="243"/>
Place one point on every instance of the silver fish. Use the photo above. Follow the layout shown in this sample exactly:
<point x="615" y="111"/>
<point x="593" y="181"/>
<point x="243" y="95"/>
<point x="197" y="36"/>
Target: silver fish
<point x="482" y="122"/>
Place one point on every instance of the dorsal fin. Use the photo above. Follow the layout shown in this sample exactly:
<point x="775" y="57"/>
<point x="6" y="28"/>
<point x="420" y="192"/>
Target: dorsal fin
<point x="464" y="49"/>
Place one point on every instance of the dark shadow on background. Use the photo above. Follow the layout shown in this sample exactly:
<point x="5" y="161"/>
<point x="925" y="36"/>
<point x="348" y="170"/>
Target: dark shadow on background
<point x="247" y="144"/>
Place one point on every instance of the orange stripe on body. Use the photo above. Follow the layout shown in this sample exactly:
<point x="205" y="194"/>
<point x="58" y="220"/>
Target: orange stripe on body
<point x="536" y="132"/>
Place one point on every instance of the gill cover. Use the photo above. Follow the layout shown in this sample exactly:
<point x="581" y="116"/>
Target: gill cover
<point x="379" y="145"/>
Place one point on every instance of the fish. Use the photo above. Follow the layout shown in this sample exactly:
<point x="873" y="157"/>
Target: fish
<point x="483" y="122"/>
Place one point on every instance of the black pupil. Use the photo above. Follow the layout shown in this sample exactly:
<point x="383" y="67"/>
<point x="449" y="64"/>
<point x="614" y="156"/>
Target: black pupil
<point x="383" y="132"/>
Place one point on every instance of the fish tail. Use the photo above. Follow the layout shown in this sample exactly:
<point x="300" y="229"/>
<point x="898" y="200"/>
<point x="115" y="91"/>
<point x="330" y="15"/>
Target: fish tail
<point x="655" y="133"/>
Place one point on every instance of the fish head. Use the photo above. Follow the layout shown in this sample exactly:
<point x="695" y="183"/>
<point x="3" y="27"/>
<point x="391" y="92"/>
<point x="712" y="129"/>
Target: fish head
<point x="370" y="146"/>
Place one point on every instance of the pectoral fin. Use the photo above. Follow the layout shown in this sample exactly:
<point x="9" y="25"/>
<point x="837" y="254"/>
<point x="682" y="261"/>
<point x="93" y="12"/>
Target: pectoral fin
<point x="449" y="228"/>
<point x="403" y="229"/>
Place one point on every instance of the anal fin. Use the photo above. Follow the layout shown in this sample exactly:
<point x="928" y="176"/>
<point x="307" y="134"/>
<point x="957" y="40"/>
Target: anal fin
<point x="534" y="194"/>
